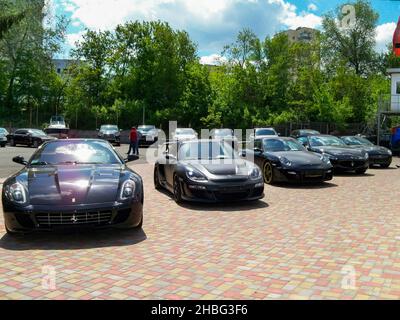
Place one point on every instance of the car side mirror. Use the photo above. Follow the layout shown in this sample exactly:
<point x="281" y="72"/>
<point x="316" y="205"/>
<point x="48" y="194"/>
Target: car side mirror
<point x="257" y="150"/>
<point x="20" y="160"/>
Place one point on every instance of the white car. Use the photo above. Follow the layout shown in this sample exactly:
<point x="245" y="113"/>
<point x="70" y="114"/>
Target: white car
<point x="261" y="133"/>
<point x="185" y="134"/>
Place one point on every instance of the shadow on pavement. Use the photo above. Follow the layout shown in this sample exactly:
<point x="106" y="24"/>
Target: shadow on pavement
<point x="73" y="240"/>
<point x="309" y="186"/>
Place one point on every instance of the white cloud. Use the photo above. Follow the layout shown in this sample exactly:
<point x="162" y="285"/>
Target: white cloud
<point x="211" y="23"/>
<point x="73" y="38"/>
<point x="312" y="7"/>
<point x="213" y="59"/>
<point x="384" y="35"/>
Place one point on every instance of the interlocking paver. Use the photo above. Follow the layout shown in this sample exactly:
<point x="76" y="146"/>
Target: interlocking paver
<point x="298" y="243"/>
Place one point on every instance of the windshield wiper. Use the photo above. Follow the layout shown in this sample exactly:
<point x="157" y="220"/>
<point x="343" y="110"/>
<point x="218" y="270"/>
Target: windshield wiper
<point x="40" y="163"/>
<point x="79" y="162"/>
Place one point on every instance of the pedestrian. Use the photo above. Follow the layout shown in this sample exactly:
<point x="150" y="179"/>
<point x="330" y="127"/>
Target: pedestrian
<point x="133" y="142"/>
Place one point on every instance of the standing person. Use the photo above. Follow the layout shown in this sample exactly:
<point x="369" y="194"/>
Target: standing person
<point x="133" y="141"/>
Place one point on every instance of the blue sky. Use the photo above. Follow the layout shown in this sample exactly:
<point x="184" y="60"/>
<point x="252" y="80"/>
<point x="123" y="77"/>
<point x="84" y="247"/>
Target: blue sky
<point x="212" y="23"/>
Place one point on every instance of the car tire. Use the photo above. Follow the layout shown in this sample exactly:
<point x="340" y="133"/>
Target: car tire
<point x="140" y="225"/>
<point x="386" y="165"/>
<point x="157" y="184"/>
<point x="177" y="190"/>
<point x="268" y="173"/>
<point x="361" y="171"/>
<point x="12" y="143"/>
<point x="3" y="145"/>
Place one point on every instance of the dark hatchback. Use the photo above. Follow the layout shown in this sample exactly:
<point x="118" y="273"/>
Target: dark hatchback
<point x="343" y="157"/>
<point x="28" y="137"/>
<point x="286" y="160"/>
<point x="72" y="184"/>
<point x="207" y="171"/>
<point x="377" y="155"/>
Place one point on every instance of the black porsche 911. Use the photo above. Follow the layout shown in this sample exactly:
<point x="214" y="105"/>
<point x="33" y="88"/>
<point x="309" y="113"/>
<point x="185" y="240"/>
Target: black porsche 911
<point x="286" y="160"/>
<point x="207" y="171"/>
<point x="377" y="155"/>
<point x="71" y="184"/>
<point x="342" y="156"/>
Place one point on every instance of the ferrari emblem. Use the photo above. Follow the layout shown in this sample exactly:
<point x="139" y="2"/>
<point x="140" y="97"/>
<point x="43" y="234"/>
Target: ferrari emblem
<point x="74" y="219"/>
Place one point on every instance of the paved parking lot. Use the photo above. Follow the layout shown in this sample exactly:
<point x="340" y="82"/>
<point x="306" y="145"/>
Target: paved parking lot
<point x="337" y="240"/>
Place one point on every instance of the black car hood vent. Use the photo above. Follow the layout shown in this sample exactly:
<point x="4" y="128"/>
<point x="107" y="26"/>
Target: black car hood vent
<point x="219" y="170"/>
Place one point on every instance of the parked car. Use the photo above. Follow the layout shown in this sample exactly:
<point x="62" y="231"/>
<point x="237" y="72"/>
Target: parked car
<point x="207" y="171"/>
<point x="110" y="133"/>
<point x="377" y="155"/>
<point x="3" y="137"/>
<point x="28" y="137"/>
<point x="72" y="184"/>
<point x="184" y="134"/>
<point x="303" y="133"/>
<point x="342" y="156"/>
<point x="287" y="160"/>
<point x="226" y="135"/>
<point x="148" y="135"/>
<point x="260" y="133"/>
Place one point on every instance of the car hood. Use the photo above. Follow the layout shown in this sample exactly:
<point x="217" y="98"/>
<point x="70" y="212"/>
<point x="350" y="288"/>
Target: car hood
<point x="73" y="185"/>
<point x="339" y="150"/>
<point x="372" y="149"/>
<point x="301" y="158"/>
<point x="222" y="168"/>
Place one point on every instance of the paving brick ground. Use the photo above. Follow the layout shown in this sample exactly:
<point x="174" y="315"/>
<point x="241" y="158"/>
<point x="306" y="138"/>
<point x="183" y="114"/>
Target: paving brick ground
<point x="341" y="240"/>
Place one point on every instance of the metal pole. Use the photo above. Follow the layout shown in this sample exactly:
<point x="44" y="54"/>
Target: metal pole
<point x="144" y="114"/>
<point x="378" y="131"/>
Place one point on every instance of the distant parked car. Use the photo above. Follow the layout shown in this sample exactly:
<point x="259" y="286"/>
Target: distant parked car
<point x="286" y="159"/>
<point x="226" y="135"/>
<point x="148" y="135"/>
<point x="28" y="137"/>
<point x="184" y="134"/>
<point x="377" y="155"/>
<point x="260" y="133"/>
<point x="3" y="137"/>
<point x="110" y="133"/>
<point x="303" y="133"/>
<point x="342" y="156"/>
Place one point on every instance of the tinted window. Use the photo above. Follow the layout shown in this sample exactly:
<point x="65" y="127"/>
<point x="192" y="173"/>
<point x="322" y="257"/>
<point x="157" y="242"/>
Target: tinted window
<point x="184" y="131"/>
<point x="146" y="129"/>
<point x="318" y="141"/>
<point x="109" y="128"/>
<point x="76" y="152"/>
<point x="223" y="133"/>
<point x="279" y="145"/>
<point x="357" y="141"/>
<point x="206" y="151"/>
<point x="37" y="133"/>
<point x="20" y="132"/>
<point x="266" y="132"/>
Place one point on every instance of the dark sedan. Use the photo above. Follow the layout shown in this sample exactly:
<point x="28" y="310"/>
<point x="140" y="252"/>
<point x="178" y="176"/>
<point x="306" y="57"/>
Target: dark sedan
<point x="377" y="155"/>
<point x="285" y="159"/>
<point x="342" y="156"/>
<point x="110" y="133"/>
<point x="207" y="171"/>
<point x="73" y="184"/>
<point x="28" y="137"/>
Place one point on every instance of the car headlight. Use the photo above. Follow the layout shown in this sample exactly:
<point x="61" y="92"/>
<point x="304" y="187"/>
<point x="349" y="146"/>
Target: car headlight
<point x="366" y="156"/>
<point x="285" y="161"/>
<point x="195" y="175"/>
<point x="127" y="190"/>
<point x="390" y="153"/>
<point x="325" y="159"/>
<point x="255" y="173"/>
<point x="16" y="193"/>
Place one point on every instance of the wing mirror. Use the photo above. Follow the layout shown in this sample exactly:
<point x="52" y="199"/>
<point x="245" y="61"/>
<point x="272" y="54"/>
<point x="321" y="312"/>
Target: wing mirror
<point x="257" y="150"/>
<point x="20" y="160"/>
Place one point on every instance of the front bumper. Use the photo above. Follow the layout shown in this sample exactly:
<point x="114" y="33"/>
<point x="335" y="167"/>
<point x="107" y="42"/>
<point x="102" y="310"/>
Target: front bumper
<point x="214" y="192"/>
<point x="349" y="164"/>
<point x="46" y="218"/>
<point x="145" y="141"/>
<point x="302" y="175"/>
<point x="376" y="159"/>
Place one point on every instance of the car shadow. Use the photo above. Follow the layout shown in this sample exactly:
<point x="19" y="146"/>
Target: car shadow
<point x="73" y="240"/>
<point x="353" y="174"/>
<point x="310" y="185"/>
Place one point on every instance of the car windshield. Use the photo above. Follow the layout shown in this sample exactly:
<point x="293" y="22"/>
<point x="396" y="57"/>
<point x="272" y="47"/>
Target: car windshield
<point x="206" y="151"/>
<point x="223" y="133"/>
<point x="146" y="129"/>
<point x="307" y="132"/>
<point x="319" y="141"/>
<point x="357" y="141"/>
<point x="184" y="132"/>
<point x="37" y="133"/>
<point x="265" y="132"/>
<point x="75" y="153"/>
<point x="109" y="128"/>
<point x="3" y="131"/>
<point x="279" y="145"/>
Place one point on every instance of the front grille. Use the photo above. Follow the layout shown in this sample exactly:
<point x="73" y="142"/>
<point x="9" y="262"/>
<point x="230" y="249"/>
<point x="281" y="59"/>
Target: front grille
<point x="313" y="173"/>
<point x="351" y="164"/>
<point x="232" y="196"/>
<point x="74" y="219"/>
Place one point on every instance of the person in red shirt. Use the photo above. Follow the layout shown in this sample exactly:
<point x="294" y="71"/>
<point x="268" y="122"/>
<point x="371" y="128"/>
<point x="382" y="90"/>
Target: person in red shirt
<point x="134" y="141"/>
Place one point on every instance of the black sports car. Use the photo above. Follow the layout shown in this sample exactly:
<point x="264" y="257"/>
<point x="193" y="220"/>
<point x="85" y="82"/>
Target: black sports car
<point x="285" y="159"/>
<point x="377" y="155"/>
<point x="342" y="156"/>
<point x="110" y="133"/>
<point x="207" y="171"/>
<point x="71" y="184"/>
<point x="29" y="137"/>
